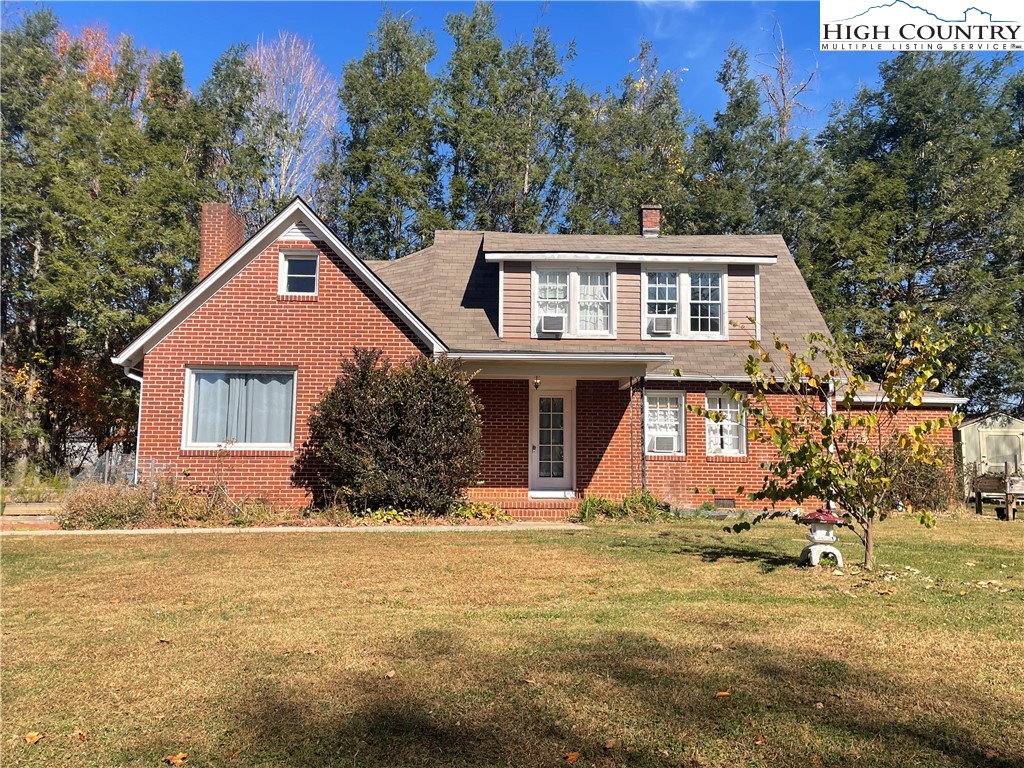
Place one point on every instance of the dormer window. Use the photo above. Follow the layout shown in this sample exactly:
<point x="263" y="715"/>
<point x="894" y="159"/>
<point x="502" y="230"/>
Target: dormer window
<point x="574" y="302"/>
<point x="553" y="300"/>
<point x="662" y="303"/>
<point x="595" y="303"/>
<point x="705" y="302"/>
<point x="297" y="275"/>
<point x="684" y="304"/>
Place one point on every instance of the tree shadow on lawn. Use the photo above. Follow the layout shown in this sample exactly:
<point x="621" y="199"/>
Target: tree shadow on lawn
<point x="762" y="553"/>
<point x="531" y="707"/>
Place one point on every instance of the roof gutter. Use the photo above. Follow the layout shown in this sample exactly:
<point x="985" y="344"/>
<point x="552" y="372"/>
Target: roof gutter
<point x="652" y="258"/>
<point x="563" y="357"/>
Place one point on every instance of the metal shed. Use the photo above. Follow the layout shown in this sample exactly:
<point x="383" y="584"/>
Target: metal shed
<point x="986" y="444"/>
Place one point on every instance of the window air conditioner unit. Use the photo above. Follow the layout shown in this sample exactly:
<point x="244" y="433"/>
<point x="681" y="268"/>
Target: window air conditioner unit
<point x="662" y="325"/>
<point x="664" y="444"/>
<point x="552" y="324"/>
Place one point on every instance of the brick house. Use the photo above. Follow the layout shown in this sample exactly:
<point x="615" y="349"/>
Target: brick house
<point x="573" y="340"/>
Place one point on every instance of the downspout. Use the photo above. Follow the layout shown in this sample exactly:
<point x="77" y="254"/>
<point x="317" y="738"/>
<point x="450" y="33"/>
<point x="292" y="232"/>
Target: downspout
<point x="830" y="394"/>
<point x="138" y="423"/>
<point x="643" y="433"/>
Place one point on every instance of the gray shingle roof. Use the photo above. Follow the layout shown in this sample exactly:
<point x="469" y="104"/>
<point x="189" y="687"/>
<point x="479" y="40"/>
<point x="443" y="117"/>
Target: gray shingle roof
<point x="666" y="245"/>
<point x="455" y="292"/>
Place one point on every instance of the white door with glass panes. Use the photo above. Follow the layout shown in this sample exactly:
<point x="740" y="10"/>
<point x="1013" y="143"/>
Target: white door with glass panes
<point x="551" y="440"/>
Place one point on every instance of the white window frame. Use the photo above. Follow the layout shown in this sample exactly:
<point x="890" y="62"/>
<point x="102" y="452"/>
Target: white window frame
<point x="282" y="272"/>
<point x="715" y="426"/>
<point x="681" y="434"/>
<point x="187" y="410"/>
<point x="572" y="322"/>
<point x="682" y="316"/>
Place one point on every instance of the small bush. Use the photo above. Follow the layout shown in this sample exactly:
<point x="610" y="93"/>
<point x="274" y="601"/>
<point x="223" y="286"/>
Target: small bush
<point x="97" y="506"/>
<point x="593" y="507"/>
<point x="164" y="504"/>
<point x="641" y="506"/>
<point x="926" y="487"/>
<point x="479" y="510"/>
<point x="645" y="507"/>
<point x="402" y="437"/>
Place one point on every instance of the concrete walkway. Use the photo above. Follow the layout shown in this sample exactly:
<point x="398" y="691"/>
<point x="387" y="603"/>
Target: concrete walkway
<point x="510" y="528"/>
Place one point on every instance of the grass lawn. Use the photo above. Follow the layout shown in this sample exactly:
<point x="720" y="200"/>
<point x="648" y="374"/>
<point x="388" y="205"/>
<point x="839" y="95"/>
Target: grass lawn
<point x="516" y="649"/>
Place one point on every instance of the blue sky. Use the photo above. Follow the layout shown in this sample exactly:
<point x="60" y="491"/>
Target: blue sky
<point x="689" y="37"/>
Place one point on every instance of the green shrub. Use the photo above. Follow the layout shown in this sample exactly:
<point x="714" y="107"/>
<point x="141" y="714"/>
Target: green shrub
<point x="479" y="510"/>
<point x="593" y="507"/>
<point x="403" y="437"/>
<point x="642" y="506"/>
<point x="98" y="506"/>
<point x="645" y="507"/>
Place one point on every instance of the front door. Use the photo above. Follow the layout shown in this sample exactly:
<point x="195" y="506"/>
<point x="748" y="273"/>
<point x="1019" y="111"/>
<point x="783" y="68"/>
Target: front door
<point x="551" y="441"/>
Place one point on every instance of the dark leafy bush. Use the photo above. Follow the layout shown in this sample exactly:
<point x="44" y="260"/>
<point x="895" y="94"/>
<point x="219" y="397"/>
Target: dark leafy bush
<point x="403" y="437"/>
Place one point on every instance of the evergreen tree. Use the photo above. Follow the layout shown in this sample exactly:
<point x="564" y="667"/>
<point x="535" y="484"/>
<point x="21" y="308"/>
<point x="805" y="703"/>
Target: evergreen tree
<point x="380" y="186"/>
<point x="926" y="215"/>
<point x="628" y="148"/>
<point x="730" y="154"/>
<point x="501" y="119"/>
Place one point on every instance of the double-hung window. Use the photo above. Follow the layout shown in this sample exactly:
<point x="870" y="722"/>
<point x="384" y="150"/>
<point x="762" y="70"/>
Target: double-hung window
<point x="662" y="303"/>
<point x="664" y="423"/>
<point x="579" y="301"/>
<point x="240" y="408"/>
<point x="705" y="302"/>
<point x="684" y="304"/>
<point x="594" y="302"/>
<point x="297" y="274"/>
<point x="553" y="294"/>
<point x="726" y="436"/>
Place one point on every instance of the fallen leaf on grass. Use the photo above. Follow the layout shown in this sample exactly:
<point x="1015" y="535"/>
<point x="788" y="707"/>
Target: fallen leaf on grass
<point x="819" y="705"/>
<point x="724" y="694"/>
<point x="115" y="601"/>
<point x="80" y="735"/>
<point x="235" y="754"/>
<point x="389" y="674"/>
<point x="717" y="647"/>
<point x="610" y="744"/>
<point x="761" y="740"/>
<point x="33" y="737"/>
<point x="177" y="760"/>
<point x="164" y="640"/>
<point x="312" y="651"/>
<point x="970" y="563"/>
<point x="963" y="592"/>
<point x="528" y="681"/>
<point x="571" y="757"/>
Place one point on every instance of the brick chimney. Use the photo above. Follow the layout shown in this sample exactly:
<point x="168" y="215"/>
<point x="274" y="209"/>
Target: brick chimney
<point x="650" y="220"/>
<point x="221" y="231"/>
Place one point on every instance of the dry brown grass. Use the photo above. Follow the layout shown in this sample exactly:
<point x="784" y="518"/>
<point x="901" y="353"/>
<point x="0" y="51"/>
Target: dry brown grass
<point x="515" y="649"/>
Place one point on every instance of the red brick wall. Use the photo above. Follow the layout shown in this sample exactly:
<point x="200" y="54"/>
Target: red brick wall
<point x="247" y="324"/>
<point x="607" y="458"/>
<point x="504" y="472"/>
<point x="608" y="446"/>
